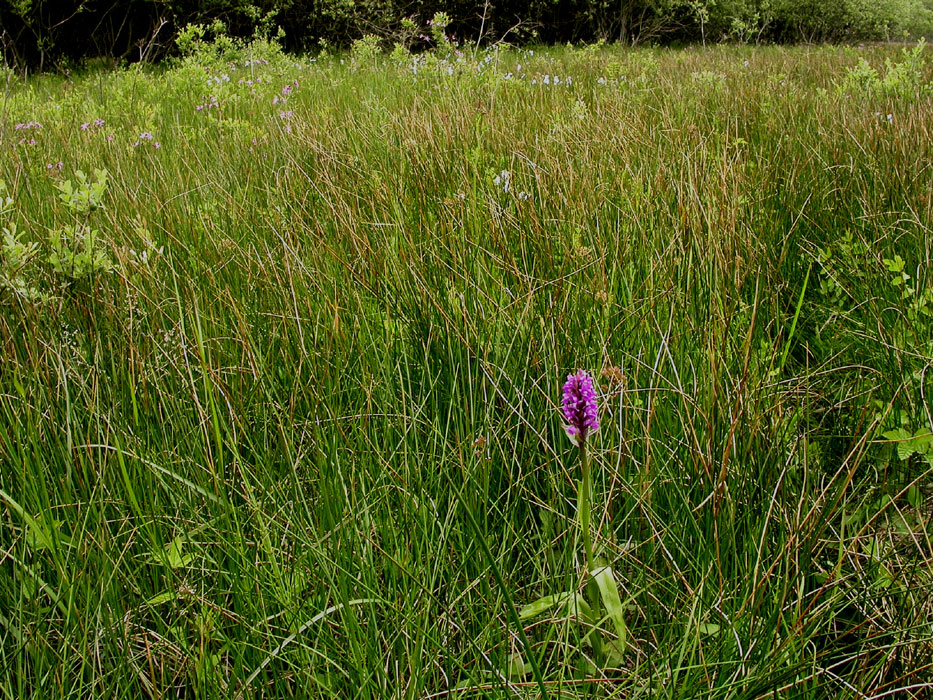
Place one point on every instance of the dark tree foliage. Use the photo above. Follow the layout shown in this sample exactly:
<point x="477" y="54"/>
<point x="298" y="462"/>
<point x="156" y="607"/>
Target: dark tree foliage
<point x="42" y="34"/>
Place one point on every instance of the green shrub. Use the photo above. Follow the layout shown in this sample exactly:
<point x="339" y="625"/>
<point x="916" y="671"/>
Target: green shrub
<point x="904" y="79"/>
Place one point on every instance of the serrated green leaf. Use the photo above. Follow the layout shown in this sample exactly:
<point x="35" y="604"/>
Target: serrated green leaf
<point x="922" y="439"/>
<point x="896" y="435"/>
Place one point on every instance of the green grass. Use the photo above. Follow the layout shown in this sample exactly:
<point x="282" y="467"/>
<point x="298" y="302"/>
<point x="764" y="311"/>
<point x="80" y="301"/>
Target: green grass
<point x="308" y="444"/>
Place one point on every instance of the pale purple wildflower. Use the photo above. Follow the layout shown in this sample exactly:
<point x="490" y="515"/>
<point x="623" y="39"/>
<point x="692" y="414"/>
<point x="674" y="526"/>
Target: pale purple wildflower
<point x="85" y="126"/>
<point x="579" y="407"/>
<point x="98" y="122"/>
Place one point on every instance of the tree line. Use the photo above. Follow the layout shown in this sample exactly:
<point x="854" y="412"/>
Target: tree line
<point x="43" y="34"/>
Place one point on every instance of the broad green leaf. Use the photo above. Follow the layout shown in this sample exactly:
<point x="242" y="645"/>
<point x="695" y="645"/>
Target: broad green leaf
<point x="709" y="629"/>
<point x="161" y="598"/>
<point x="171" y="555"/>
<point x="577" y="605"/>
<point x="894" y="265"/>
<point x="37" y="536"/>
<point x="609" y="593"/>
<point x="614" y="651"/>
<point x="909" y="444"/>
<point x="174" y="556"/>
<point x="923" y="438"/>
<point x="905" y="450"/>
<point x="545" y="603"/>
<point x="541" y="605"/>
<point x="38" y="529"/>
<point x="897" y="435"/>
<point x="517" y="668"/>
<point x="906" y="523"/>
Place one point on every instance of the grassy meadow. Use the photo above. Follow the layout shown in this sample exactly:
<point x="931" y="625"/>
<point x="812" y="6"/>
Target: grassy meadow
<point x="282" y="344"/>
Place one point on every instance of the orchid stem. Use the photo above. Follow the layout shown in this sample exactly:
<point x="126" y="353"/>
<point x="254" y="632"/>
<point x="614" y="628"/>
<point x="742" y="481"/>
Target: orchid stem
<point x="584" y="507"/>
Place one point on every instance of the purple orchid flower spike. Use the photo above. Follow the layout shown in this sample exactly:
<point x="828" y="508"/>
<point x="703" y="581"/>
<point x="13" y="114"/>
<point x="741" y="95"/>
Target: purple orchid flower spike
<point x="580" y="410"/>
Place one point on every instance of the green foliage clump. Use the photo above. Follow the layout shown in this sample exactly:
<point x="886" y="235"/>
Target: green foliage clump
<point x="905" y="79"/>
<point x="210" y="46"/>
<point x="365" y="51"/>
<point x="76" y="253"/>
<point x="15" y="254"/>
